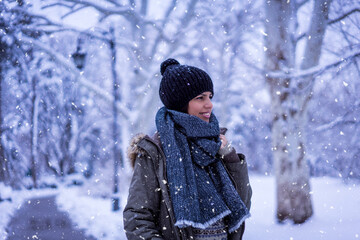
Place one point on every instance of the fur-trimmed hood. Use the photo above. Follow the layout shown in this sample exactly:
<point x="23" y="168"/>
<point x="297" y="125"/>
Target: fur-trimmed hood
<point x="134" y="150"/>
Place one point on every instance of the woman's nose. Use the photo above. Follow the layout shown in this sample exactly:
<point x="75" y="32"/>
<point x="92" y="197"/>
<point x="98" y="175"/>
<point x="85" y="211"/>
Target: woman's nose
<point x="208" y="103"/>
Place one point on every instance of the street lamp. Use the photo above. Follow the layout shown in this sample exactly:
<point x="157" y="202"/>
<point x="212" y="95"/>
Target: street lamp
<point x="79" y="56"/>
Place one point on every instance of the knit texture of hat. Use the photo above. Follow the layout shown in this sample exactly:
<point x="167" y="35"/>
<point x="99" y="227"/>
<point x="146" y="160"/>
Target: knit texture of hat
<point x="181" y="83"/>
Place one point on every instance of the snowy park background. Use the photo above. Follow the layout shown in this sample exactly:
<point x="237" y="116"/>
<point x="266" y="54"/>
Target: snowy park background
<point x="65" y="125"/>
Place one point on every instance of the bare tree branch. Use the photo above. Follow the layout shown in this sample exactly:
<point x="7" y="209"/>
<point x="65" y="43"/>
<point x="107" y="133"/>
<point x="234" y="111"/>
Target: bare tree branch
<point x="162" y="27"/>
<point x="31" y="15"/>
<point x="343" y="16"/>
<point x="107" y="11"/>
<point x="115" y="2"/>
<point x="73" y="11"/>
<point x="314" y="70"/>
<point x="339" y="120"/>
<point x="56" y="4"/>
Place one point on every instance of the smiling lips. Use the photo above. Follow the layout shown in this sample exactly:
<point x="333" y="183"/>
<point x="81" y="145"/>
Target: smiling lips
<point x="205" y="114"/>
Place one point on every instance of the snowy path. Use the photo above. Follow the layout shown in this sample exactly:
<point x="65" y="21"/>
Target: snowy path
<point x="39" y="218"/>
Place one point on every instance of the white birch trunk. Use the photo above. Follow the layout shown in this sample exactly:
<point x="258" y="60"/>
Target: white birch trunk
<point x="289" y="99"/>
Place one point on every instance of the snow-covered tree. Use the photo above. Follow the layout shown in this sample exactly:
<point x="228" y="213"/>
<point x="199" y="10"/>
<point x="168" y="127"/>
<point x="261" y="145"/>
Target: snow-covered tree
<point x="291" y="75"/>
<point x="16" y="22"/>
<point x="42" y="104"/>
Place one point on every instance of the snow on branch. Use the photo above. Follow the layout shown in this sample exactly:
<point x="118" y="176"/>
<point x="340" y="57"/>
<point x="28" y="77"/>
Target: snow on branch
<point x="65" y="62"/>
<point x="71" y="12"/>
<point x="317" y="70"/>
<point x="343" y="16"/>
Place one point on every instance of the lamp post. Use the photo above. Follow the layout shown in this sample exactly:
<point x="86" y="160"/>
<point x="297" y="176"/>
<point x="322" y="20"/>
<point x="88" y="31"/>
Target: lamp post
<point x="118" y="161"/>
<point x="79" y="56"/>
<point x="70" y="95"/>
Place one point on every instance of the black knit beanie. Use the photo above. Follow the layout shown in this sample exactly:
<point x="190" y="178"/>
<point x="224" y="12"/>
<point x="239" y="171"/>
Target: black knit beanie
<point x="181" y="83"/>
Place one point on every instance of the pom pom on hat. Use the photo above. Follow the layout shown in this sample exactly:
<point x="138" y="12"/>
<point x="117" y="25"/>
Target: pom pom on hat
<point x="167" y="63"/>
<point x="181" y="83"/>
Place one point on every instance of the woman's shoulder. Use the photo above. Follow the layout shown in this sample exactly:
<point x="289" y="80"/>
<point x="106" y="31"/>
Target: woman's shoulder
<point x="144" y="145"/>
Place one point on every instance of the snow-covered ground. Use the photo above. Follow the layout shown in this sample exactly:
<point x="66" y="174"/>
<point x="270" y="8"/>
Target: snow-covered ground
<point x="336" y="211"/>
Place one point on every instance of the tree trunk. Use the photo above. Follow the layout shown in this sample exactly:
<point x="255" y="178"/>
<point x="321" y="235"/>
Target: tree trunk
<point x="4" y="175"/>
<point x="33" y="134"/>
<point x="289" y="114"/>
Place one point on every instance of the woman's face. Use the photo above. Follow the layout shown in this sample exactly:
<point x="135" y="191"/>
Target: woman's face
<point x="201" y="106"/>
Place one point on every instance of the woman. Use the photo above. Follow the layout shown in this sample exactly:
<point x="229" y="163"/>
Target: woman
<point x="188" y="182"/>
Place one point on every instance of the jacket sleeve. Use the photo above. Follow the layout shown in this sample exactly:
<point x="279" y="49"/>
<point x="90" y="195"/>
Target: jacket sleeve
<point x="142" y="209"/>
<point x="238" y="170"/>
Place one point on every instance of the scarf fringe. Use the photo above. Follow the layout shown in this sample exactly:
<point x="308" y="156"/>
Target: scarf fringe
<point x="186" y="223"/>
<point x="233" y="229"/>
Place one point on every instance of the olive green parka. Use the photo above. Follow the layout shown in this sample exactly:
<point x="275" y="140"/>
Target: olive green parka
<point x="148" y="213"/>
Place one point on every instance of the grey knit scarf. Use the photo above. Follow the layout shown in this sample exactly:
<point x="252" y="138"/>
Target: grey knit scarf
<point x="200" y="188"/>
